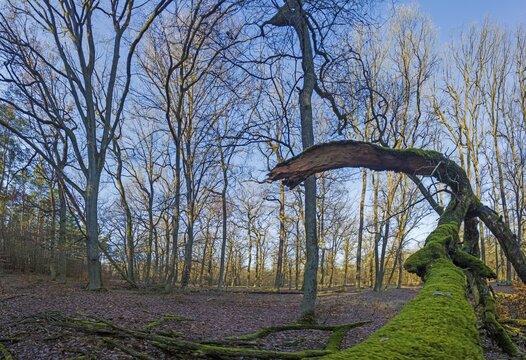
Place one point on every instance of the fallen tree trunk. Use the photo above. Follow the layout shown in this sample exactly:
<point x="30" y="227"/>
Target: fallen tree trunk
<point x="439" y="323"/>
<point x="175" y="345"/>
<point x="356" y="154"/>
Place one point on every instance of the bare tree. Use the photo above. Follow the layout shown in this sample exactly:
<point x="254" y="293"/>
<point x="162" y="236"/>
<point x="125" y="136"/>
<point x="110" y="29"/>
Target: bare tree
<point x="70" y="81"/>
<point x="292" y="14"/>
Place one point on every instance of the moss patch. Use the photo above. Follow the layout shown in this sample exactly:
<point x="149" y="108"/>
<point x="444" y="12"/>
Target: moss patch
<point x="5" y="354"/>
<point x="495" y="328"/>
<point x="166" y="318"/>
<point x="464" y="260"/>
<point x="300" y="326"/>
<point x="428" y="154"/>
<point x="436" y="244"/>
<point x="431" y="326"/>
<point x="200" y="350"/>
<point x="335" y="340"/>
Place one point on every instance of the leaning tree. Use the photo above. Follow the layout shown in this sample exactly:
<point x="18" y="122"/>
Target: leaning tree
<point x="440" y="322"/>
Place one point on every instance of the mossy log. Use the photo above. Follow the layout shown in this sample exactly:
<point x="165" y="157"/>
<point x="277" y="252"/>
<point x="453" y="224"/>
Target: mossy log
<point x="413" y="162"/>
<point x="439" y="323"/>
<point x="226" y="349"/>
<point x="164" y="319"/>
<point x="296" y="326"/>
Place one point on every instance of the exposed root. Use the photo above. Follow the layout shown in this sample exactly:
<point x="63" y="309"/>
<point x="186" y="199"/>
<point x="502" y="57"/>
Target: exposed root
<point x="9" y="340"/>
<point x="338" y="334"/>
<point x="179" y="348"/>
<point x="297" y="326"/>
<point x="493" y="326"/>
<point x="209" y="351"/>
<point x="166" y="318"/>
<point x="128" y="350"/>
<point x="517" y="322"/>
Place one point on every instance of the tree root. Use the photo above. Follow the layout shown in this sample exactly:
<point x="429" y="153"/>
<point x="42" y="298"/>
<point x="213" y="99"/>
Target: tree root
<point x="516" y="322"/>
<point x="296" y="326"/>
<point x="9" y="340"/>
<point x="185" y="349"/>
<point x="136" y="354"/>
<point x="166" y="318"/>
<point x="493" y="326"/>
<point x="210" y="351"/>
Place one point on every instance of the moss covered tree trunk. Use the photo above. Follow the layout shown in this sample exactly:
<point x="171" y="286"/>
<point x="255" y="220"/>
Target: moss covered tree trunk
<point x="440" y="322"/>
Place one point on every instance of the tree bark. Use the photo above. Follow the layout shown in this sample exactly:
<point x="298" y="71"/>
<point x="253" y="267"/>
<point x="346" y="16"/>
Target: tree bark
<point x="92" y="232"/>
<point x="279" y="279"/>
<point x="53" y="237"/>
<point x="130" y="246"/>
<point x="291" y="14"/>
<point x="62" y="232"/>
<point x="224" y="217"/>
<point x="360" y="231"/>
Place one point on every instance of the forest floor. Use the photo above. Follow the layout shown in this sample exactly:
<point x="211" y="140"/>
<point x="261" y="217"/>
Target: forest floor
<point x="34" y="310"/>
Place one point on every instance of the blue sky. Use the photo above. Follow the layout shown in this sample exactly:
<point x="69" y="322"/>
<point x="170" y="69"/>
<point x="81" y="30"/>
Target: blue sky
<point x="450" y="16"/>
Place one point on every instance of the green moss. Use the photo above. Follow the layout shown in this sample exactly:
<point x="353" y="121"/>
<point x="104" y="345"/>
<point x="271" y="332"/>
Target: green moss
<point x="5" y="354"/>
<point x="95" y="324"/>
<point x="200" y="350"/>
<point x="335" y="340"/>
<point x="435" y="248"/>
<point x="495" y="328"/>
<point x="467" y="261"/>
<point x="430" y="326"/>
<point x="299" y="326"/>
<point x="169" y="333"/>
<point x="166" y="318"/>
<point x="429" y="154"/>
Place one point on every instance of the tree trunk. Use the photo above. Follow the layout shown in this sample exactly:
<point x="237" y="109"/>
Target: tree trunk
<point x="278" y="281"/>
<point x="62" y="233"/>
<point x="172" y="277"/>
<point x="250" y="244"/>
<point x="188" y="249"/>
<point x="92" y="232"/>
<point x="149" y="245"/>
<point x="130" y="246"/>
<point x="360" y="231"/>
<point x="224" y="217"/>
<point x="291" y="14"/>
<point x="439" y="262"/>
<point x="53" y="237"/>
